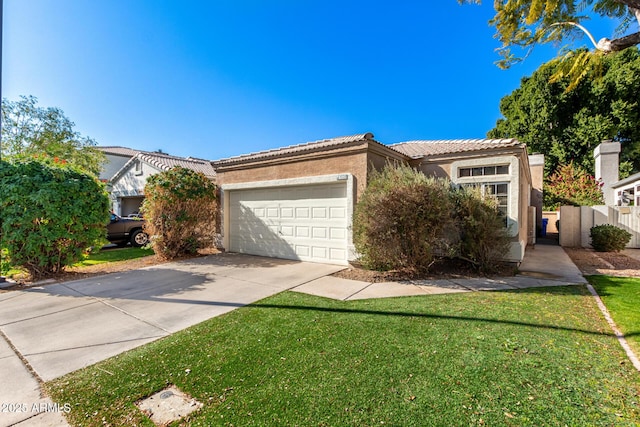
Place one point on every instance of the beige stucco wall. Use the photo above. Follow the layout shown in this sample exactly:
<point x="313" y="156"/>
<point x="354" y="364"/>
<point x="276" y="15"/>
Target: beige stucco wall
<point x="524" y="181"/>
<point x="519" y="180"/>
<point x="354" y="163"/>
<point x="357" y="161"/>
<point x="536" y="166"/>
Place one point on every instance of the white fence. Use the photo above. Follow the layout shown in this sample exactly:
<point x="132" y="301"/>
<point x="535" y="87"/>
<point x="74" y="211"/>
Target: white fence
<point x="576" y="223"/>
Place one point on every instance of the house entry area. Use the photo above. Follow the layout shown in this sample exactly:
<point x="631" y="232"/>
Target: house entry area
<point x="300" y="222"/>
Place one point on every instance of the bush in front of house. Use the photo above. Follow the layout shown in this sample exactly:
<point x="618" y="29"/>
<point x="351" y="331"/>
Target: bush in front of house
<point x="180" y="209"/>
<point x="609" y="238"/>
<point x="483" y="237"/>
<point x="399" y="221"/>
<point x="405" y="219"/>
<point x="51" y="213"/>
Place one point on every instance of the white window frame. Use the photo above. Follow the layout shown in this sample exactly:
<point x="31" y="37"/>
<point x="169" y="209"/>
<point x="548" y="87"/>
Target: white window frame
<point x="511" y="179"/>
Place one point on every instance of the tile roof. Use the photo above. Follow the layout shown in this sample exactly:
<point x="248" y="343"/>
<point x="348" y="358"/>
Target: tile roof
<point x="166" y="162"/>
<point x="419" y="149"/>
<point x="119" y="151"/>
<point x="320" y="145"/>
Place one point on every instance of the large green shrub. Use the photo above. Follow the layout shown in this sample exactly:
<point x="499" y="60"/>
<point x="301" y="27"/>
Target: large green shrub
<point x="483" y="238"/>
<point x="400" y="219"/>
<point x="609" y="238"/>
<point x="180" y="209"/>
<point x="51" y="213"/>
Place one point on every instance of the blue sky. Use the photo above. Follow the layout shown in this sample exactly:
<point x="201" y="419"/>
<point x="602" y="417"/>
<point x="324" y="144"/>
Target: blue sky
<point x="219" y="78"/>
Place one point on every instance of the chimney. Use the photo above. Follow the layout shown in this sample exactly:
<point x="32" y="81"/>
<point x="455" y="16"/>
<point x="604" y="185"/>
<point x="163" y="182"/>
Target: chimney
<point x="607" y="164"/>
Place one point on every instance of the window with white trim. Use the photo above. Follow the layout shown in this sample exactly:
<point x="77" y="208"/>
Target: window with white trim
<point x="483" y="171"/>
<point x="499" y="190"/>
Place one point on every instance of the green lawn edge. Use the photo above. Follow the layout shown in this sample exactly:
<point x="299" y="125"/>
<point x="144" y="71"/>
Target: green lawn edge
<point x="540" y="356"/>
<point x="621" y="296"/>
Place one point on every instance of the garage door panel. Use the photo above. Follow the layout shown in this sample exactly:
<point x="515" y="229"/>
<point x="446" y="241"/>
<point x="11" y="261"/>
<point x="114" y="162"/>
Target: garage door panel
<point x="286" y="231"/>
<point x="319" y="213"/>
<point x="303" y="222"/>
<point x="337" y="254"/>
<point x="302" y="213"/>
<point x="302" y="231"/>
<point x="337" y="233"/>
<point x="319" y="232"/>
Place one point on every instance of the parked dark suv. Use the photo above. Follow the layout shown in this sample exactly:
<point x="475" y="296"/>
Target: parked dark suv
<point x="122" y="230"/>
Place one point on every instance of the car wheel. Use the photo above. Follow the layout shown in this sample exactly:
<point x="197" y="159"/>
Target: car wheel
<point x="139" y="238"/>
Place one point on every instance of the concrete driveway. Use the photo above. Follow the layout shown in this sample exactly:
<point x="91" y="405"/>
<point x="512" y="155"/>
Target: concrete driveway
<point x="59" y="328"/>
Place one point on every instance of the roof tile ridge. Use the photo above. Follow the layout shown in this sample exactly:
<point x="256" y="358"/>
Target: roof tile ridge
<point x="346" y="138"/>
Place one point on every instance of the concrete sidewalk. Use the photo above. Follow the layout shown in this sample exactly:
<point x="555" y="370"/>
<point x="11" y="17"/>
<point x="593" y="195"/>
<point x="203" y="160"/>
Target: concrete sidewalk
<point x="544" y="265"/>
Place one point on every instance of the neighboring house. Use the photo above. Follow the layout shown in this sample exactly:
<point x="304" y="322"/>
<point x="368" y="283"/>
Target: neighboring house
<point x="627" y="191"/>
<point x="616" y="192"/>
<point x="126" y="186"/>
<point x="117" y="157"/>
<point x="297" y="202"/>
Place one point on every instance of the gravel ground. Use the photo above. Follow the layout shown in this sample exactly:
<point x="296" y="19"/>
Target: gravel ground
<point x="610" y="263"/>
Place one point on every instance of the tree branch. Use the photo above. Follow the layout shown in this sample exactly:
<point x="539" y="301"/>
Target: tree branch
<point x="575" y="24"/>
<point x="621" y="43"/>
<point x="606" y="45"/>
<point x="633" y="4"/>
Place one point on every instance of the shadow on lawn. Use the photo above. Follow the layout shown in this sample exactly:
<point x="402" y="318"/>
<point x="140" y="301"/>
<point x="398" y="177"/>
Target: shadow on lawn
<point x="603" y="283"/>
<point x="435" y="316"/>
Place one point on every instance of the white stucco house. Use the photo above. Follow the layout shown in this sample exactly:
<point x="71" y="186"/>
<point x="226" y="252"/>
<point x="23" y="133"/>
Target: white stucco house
<point x="127" y="171"/>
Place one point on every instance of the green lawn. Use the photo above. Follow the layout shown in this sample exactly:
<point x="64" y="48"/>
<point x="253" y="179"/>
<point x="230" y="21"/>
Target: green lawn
<point x="539" y="357"/>
<point x="101" y="257"/>
<point x="621" y="296"/>
<point x="113" y="255"/>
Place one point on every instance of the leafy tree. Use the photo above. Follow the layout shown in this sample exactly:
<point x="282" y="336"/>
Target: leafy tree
<point x="567" y="126"/>
<point x="180" y="209"/>
<point x="521" y="24"/>
<point x="572" y="185"/>
<point x="28" y="129"/>
<point x="51" y="212"/>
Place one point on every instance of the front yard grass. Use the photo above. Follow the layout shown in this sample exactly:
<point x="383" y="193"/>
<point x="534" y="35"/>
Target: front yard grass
<point x="94" y="258"/>
<point x="531" y="357"/>
<point x="113" y="255"/>
<point x="621" y="296"/>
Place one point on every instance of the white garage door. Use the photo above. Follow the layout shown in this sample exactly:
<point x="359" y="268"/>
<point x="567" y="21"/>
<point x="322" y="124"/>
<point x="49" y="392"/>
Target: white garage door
<point x="307" y="223"/>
